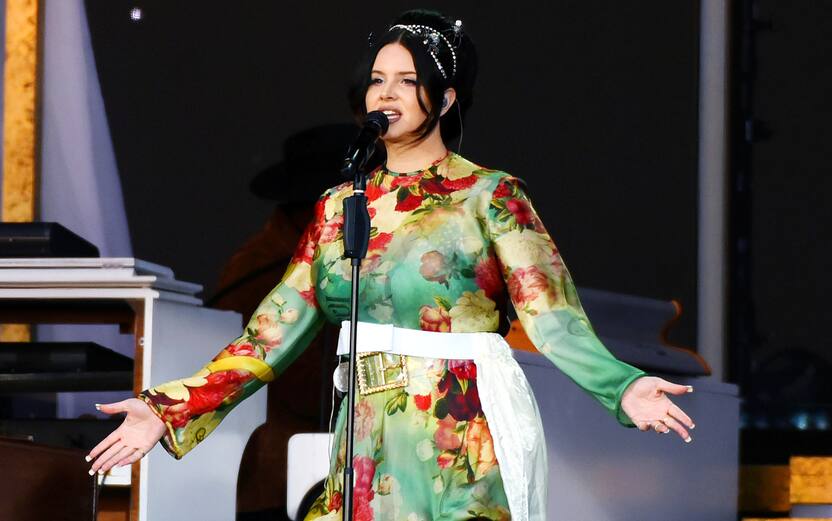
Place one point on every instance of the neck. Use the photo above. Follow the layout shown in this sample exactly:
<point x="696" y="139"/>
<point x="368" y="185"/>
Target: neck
<point x="409" y="157"/>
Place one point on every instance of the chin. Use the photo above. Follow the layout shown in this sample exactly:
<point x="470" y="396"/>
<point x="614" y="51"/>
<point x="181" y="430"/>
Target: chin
<point x="397" y="137"/>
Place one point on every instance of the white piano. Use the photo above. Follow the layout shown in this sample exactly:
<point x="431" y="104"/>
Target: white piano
<point x="173" y="337"/>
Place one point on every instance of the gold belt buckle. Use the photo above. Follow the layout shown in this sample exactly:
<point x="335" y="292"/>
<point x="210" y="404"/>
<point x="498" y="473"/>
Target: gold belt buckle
<point x="379" y="371"/>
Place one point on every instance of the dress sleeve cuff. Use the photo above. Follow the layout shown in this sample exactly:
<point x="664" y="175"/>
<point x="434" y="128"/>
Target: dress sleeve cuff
<point x="620" y="415"/>
<point x="169" y="439"/>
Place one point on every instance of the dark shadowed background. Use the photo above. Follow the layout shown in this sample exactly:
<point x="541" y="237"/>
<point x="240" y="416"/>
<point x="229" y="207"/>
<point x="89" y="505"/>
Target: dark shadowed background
<point x="593" y="103"/>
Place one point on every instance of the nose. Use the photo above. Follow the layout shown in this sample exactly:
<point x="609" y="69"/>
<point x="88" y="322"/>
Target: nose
<point x="388" y="91"/>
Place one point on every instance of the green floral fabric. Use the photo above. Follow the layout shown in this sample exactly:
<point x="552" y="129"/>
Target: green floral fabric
<point x="447" y="244"/>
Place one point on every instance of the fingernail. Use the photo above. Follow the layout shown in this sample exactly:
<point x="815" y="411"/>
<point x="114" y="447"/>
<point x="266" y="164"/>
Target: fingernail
<point x="87" y="459"/>
<point x="692" y="426"/>
<point x="98" y="406"/>
<point x="690" y="389"/>
<point x="101" y="471"/>
<point x="91" y="472"/>
<point x="688" y="439"/>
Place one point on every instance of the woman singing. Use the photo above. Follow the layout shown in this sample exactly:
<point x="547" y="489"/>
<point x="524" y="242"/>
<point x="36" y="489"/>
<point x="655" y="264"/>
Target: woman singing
<point x="446" y="424"/>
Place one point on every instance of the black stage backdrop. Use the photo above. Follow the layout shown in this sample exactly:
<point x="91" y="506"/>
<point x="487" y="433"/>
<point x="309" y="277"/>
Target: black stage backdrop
<point x="792" y="188"/>
<point x="594" y="103"/>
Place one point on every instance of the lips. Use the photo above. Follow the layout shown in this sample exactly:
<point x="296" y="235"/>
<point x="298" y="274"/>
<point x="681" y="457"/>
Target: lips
<point x="392" y="115"/>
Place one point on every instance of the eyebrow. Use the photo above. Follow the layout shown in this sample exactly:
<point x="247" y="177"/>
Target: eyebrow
<point x="400" y="73"/>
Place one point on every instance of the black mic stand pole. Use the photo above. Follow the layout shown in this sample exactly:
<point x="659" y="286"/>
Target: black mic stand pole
<point x="356" y="239"/>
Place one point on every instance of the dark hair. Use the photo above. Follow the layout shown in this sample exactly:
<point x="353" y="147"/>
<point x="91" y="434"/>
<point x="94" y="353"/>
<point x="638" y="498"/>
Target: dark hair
<point x="427" y="73"/>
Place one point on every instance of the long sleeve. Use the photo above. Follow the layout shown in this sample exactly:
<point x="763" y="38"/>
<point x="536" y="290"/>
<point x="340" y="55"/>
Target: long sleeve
<point x="546" y="301"/>
<point x="282" y="326"/>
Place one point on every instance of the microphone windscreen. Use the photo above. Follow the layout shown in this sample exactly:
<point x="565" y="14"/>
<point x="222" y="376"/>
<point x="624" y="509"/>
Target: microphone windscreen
<point x="379" y="119"/>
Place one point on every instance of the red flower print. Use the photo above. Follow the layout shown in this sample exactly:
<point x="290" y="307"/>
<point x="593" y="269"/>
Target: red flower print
<point x="379" y="242"/>
<point x="422" y="401"/>
<point x="374" y="191"/>
<point x="436" y="187"/>
<point x="488" y="277"/>
<point x="306" y="247"/>
<point x="463" y="369"/>
<point x="371" y="211"/>
<point x="221" y="385"/>
<point x="461" y="183"/>
<point x="269" y="332"/>
<point x="463" y="406"/>
<point x="521" y="210"/>
<point x="335" y="502"/>
<point x="244" y="349"/>
<point x="526" y="284"/>
<point x="362" y="511"/>
<point x="445" y="459"/>
<point x="309" y="297"/>
<point x="445" y="437"/>
<point x="178" y="415"/>
<point x="405" y="180"/>
<point x="557" y="263"/>
<point x="365" y="470"/>
<point x="502" y="190"/>
<point x="434" y="319"/>
<point x="411" y="202"/>
<point x="329" y="231"/>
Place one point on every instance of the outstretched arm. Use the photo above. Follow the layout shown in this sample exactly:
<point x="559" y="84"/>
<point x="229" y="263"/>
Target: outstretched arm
<point x="189" y="409"/>
<point x="544" y="296"/>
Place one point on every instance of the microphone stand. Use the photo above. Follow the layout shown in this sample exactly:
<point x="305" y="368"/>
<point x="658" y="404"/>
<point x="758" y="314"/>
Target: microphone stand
<point x="356" y="238"/>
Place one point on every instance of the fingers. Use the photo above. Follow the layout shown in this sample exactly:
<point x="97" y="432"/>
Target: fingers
<point x="661" y="428"/>
<point x="105" y="444"/>
<point x="678" y="428"/>
<point x="118" y="456"/>
<point x="672" y="388"/>
<point x="105" y="456"/>
<point x="112" y="408"/>
<point x="135" y="456"/>
<point x="677" y="413"/>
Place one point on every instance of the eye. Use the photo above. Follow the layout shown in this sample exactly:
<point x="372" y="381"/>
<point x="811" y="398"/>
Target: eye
<point x="409" y="81"/>
<point x="375" y="81"/>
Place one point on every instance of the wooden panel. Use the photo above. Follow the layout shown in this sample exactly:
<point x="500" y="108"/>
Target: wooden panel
<point x="764" y="488"/>
<point x="40" y="482"/>
<point x="15" y="333"/>
<point x="811" y="480"/>
<point x="114" y="504"/>
<point x="138" y="376"/>
<point x="67" y="312"/>
<point x="20" y="110"/>
<point x="20" y="125"/>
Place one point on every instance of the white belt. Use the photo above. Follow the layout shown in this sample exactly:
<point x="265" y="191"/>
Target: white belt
<point x="506" y="397"/>
<point x="387" y="338"/>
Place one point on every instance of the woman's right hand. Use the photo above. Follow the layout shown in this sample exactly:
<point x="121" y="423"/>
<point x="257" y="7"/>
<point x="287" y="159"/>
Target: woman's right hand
<point x="134" y="438"/>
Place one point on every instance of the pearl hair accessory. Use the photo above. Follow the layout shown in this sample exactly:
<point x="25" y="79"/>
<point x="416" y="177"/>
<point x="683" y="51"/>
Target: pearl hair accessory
<point x="432" y="37"/>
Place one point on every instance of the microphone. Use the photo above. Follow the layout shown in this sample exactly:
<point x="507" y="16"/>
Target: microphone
<point x="374" y="126"/>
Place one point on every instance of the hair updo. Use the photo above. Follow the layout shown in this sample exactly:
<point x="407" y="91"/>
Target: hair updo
<point x="428" y="74"/>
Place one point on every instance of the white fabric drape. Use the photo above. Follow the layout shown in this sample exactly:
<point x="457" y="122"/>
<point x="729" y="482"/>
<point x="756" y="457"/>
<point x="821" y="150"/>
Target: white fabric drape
<point x="79" y="187"/>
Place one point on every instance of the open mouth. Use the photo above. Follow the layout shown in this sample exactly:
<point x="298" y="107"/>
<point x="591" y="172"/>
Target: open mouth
<point x="392" y="115"/>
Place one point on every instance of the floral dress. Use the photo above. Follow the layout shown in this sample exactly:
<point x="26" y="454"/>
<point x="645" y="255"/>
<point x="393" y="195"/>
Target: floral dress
<point x="446" y="245"/>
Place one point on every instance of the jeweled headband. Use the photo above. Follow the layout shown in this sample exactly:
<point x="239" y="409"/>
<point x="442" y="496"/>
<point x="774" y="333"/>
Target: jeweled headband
<point x="431" y="40"/>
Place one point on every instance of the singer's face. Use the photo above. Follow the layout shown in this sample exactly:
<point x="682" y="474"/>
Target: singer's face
<point x="395" y="90"/>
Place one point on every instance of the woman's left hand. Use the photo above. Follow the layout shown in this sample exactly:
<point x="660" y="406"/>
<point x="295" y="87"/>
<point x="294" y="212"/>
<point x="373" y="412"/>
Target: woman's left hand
<point x="647" y="405"/>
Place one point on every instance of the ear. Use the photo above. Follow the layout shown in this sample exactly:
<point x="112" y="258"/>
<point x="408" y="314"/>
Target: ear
<point x="450" y="95"/>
